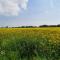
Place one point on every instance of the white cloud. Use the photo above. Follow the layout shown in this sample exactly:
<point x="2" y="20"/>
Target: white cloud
<point x="12" y="7"/>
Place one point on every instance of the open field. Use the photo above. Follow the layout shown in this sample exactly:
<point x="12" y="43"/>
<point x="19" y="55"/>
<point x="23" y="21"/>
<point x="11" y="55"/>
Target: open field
<point x="30" y="43"/>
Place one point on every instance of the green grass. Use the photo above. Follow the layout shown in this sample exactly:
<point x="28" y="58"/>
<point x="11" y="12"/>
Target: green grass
<point x="30" y="43"/>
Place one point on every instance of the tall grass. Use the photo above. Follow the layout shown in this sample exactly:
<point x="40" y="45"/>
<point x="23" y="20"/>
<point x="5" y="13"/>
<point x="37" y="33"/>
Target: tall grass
<point x="30" y="44"/>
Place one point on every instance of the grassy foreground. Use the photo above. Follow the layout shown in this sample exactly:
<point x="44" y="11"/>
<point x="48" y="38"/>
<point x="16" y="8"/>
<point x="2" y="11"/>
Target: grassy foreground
<point x="29" y="43"/>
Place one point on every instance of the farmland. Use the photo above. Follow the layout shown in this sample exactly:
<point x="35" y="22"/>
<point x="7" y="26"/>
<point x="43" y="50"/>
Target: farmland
<point x="30" y="43"/>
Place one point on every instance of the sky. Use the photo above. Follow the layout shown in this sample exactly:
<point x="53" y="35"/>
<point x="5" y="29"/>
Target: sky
<point x="29" y="12"/>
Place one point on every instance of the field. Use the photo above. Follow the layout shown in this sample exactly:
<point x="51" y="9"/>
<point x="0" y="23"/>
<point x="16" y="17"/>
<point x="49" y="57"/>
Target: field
<point x="30" y="43"/>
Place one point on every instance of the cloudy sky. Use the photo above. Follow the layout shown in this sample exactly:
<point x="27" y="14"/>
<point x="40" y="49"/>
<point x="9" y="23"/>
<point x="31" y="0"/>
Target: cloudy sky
<point x="29" y="12"/>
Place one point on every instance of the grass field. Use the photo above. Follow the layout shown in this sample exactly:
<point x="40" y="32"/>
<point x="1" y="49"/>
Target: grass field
<point x="30" y="43"/>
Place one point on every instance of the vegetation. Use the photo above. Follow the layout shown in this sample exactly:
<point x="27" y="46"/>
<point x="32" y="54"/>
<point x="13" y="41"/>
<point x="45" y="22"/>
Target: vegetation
<point x="33" y="26"/>
<point x="30" y="43"/>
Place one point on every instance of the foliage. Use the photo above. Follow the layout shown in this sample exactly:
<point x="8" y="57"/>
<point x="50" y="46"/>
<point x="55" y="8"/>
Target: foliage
<point x="29" y="43"/>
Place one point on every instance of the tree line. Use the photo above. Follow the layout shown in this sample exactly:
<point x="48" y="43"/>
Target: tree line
<point x="33" y="26"/>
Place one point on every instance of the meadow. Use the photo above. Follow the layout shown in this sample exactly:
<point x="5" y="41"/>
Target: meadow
<point x="30" y="43"/>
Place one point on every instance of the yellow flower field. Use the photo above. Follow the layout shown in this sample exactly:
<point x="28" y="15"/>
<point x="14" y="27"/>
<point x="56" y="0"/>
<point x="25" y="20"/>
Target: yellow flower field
<point x="30" y="43"/>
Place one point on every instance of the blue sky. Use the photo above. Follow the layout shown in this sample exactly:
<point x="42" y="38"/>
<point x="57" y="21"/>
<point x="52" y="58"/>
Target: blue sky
<point x="38" y="12"/>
